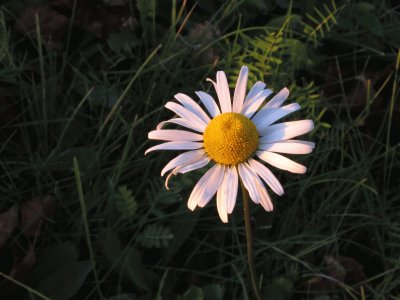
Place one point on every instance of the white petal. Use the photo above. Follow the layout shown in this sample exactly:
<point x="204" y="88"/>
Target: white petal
<point x="233" y="183"/>
<point x="187" y="114"/>
<point x="222" y="89"/>
<point x="174" y="135"/>
<point x="177" y="145"/>
<point x="206" y="187"/>
<point x="195" y="165"/>
<point x="265" y="199"/>
<point x="274" y="103"/>
<point x="262" y="114"/>
<point x="257" y="88"/>
<point x="248" y="182"/>
<point x="251" y="106"/>
<point x="278" y="99"/>
<point x="209" y="103"/>
<point x="281" y="162"/>
<point x="227" y="193"/>
<point x="275" y="116"/>
<point x="222" y="195"/>
<point x="286" y="130"/>
<point x="272" y="106"/>
<point x="183" y="159"/>
<point x="182" y="122"/>
<point x="191" y="105"/>
<point x="289" y="146"/>
<point x="260" y="194"/>
<point x="267" y="176"/>
<point x="240" y="90"/>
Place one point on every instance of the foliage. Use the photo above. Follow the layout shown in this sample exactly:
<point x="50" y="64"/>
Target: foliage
<point x="89" y="81"/>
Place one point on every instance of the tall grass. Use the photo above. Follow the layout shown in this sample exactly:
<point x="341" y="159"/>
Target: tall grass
<point x="117" y="233"/>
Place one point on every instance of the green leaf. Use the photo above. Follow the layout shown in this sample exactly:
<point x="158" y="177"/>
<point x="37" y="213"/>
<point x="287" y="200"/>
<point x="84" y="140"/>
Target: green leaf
<point x="367" y="18"/>
<point x="155" y="236"/>
<point x="127" y="263"/>
<point x="125" y="203"/>
<point x="51" y="258"/>
<point x="66" y="280"/>
<point x="279" y="289"/>
<point x="193" y="293"/>
<point x="134" y="269"/>
<point x="109" y="244"/>
<point x="213" y="292"/>
<point x="121" y="42"/>
<point x="181" y="227"/>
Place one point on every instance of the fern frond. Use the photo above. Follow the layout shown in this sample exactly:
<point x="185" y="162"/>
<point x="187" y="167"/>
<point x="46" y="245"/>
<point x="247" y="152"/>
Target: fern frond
<point x="322" y="21"/>
<point x="155" y="236"/>
<point x="125" y="203"/>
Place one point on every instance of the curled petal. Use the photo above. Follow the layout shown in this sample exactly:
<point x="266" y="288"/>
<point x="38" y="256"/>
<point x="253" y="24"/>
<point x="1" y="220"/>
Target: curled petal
<point x="222" y="90"/>
<point x="194" y="165"/>
<point x="183" y="159"/>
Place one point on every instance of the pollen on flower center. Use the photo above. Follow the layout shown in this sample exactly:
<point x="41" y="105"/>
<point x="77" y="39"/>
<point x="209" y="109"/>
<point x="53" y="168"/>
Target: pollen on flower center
<point x="230" y="139"/>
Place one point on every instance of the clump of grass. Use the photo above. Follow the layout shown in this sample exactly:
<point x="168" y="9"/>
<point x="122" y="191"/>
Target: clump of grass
<point x="117" y="233"/>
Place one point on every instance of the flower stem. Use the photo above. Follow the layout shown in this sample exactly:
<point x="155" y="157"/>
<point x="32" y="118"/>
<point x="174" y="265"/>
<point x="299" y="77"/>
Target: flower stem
<point x="250" y="254"/>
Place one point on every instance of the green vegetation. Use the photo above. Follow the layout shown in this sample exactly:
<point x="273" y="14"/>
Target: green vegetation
<point x="85" y="215"/>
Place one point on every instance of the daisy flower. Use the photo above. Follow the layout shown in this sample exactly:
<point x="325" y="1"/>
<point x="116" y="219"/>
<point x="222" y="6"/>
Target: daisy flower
<point x="237" y="137"/>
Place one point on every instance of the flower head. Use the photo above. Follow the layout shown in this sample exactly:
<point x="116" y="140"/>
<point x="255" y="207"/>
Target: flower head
<point x="235" y="136"/>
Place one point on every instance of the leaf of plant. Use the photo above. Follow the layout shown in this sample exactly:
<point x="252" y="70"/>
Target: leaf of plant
<point x="213" y="292"/>
<point x="125" y="203"/>
<point x="109" y="244"/>
<point x="134" y="269"/>
<point x="66" y="280"/>
<point x="129" y="263"/>
<point x="52" y="258"/>
<point x="121" y="42"/>
<point x="155" y="236"/>
<point x="181" y="227"/>
<point x="279" y="289"/>
<point x="193" y="293"/>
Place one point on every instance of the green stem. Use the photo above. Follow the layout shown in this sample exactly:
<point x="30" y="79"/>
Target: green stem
<point x="250" y="254"/>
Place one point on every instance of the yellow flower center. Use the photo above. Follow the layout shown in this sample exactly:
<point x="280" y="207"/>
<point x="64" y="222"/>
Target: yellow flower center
<point x="230" y="139"/>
